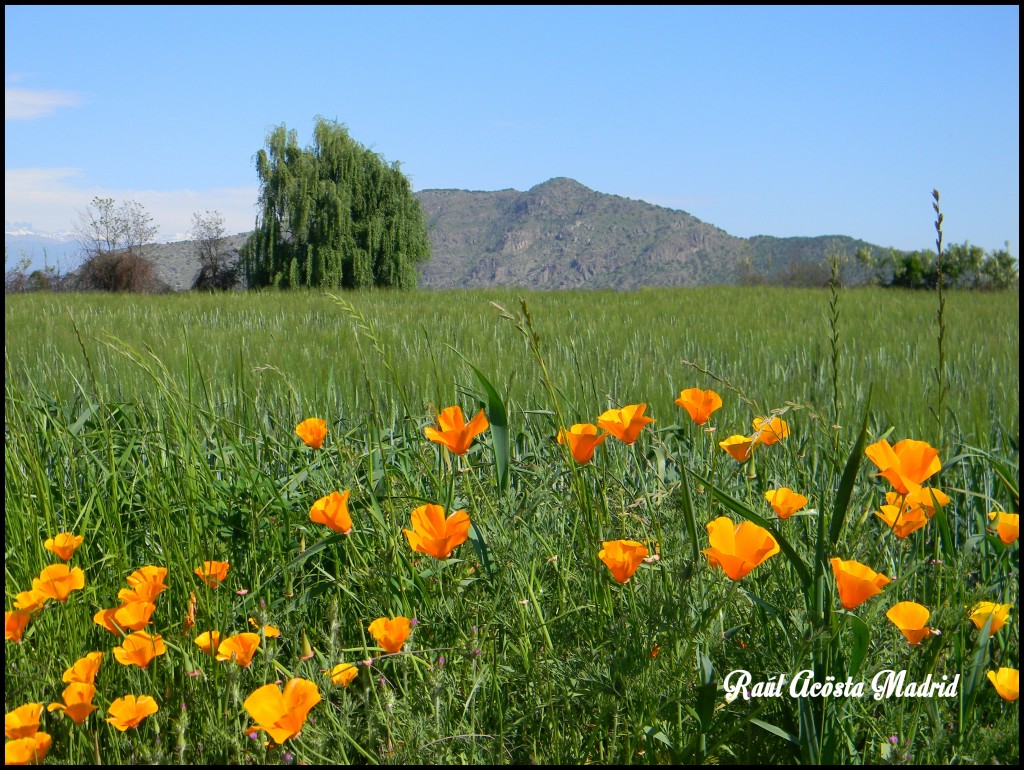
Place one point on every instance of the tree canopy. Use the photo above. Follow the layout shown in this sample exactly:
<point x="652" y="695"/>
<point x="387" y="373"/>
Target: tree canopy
<point x="334" y="214"/>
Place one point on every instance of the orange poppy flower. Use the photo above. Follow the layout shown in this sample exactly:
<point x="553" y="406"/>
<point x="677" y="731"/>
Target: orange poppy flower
<point x="768" y="430"/>
<point x="30" y="600"/>
<point x="1007" y="525"/>
<point x="77" y="702"/>
<point x="106" y="619"/>
<point x="313" y="431"/>
<point x="907" y="465"/>
<point x="453" y="432"/>
<point x="15" y="623"/>
<point x="910" y="619"/>
<point x="1000" y="614"/>
<point x="333" y="512"/>
<point x="343" y="674"/>
<point x="435" y="535"/>
<point x="213" y="573"/>
<point x="84" y="670"/>
<point x="282" y="714"/>
<point x="23" y="721"/>
<point x="924" y="498"/>
<point x="625" y="423"/>
<point x="134" y="616"/>
<point x="622" y="557"/>
<point x="902" y="523"/>
<point x="145" y="584"/>
<point x="208" y="642"/>
<point x="738" y="548"/>
<point x="240" y="648"/>
<point x="582" y="440"/>
<point x="139" y="649"/>
<point x="785" y="502"/>
<point x="856" y="583"/>
<point x="27" y="751"/>
<point x="58" y="581"/>
<point x="699" y="404"/>
<point x="271" y="632"/>
<point x="1007" y="683"/>
<point x="64" y="544"/>
<point x="391" y="633"/>
<point x="129" y="711"/>
<point x="739" y="447"/>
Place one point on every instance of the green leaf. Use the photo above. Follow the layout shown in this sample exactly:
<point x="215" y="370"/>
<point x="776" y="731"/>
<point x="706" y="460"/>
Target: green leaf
<point x="480" y="546"/>
<point x="842" y="503"/>
<point x="497" y="416"/>
<point x="686" y="503"/>
<point x="861" y="638"/>
<point x="775" y="730"/>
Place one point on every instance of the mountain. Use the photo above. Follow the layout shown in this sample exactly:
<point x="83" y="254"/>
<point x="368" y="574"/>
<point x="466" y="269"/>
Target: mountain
<point x="561" y="234"/>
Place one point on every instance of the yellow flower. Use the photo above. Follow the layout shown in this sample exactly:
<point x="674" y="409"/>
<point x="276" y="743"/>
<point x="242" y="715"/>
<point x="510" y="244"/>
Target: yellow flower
<point x="856" y="583"/>
<point x="343" y="674"/>
<point x="146" y="584"/>
<point x="139" y="649"/>
<point x="768" y="430"/>
<point x="1007" y="682"/>
<point x="910" y="619"/>
<point x="27" y="751"/>
<point x="208" y="641"/>
<point x="84" y="670"/>
<point x="923" y="499"/>
<point x="902" y="524"/>
<point x="435" y="535"/>
<point x="282" y="714"/>
<point x="738" y="548"/>
<point x="129" y="711"/>
<point x="1000" y="614"/>
<point x="907" y="465"/>
<point x="785" y="502"/>
<point x="391" y="633"/>
<point x="271" y="632"/>
<point x="582" y="440"/>
<point x="333" y="512"/>
<point x="23" y="721"/>
<point x="700" y="404"/>
<point x="625" y="423"/>
<point x="57" y="581"/>
<point x="30" y="600"/>
<point x="739" y="447"/>
<point x="453" y="432"/>
<point x="15" y="623"/>
<point x="77" y="702"/>
<point x="240" y="648"/>
<point x="622" y="557"/>
<point x="64" y="544"/>
<point x="1007" y="525"/>
<point x="213" y="573"/>
<point x="313" y="431"/>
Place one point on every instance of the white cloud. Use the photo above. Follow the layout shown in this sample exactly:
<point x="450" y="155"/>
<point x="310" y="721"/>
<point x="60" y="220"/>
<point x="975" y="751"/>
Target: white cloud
<point x="27" y="103"/>
<point x="51" y="199"/>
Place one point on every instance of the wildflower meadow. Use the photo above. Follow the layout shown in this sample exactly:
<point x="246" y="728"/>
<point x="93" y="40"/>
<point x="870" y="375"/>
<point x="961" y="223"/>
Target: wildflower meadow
<point x="722" y="525"/>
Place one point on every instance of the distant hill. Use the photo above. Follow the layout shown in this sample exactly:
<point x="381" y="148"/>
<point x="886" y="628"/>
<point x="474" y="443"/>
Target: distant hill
<point x="563" y="235"/>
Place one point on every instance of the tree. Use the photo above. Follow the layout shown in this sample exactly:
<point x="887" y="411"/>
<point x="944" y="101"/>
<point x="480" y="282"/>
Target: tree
<point x="112" y="239"/>
<point x="218" y="266"/>
<point x="335" y="215"/>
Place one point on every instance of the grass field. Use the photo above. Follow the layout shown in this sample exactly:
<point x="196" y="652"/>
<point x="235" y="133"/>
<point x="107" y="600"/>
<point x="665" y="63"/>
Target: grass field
<point x="162" y="430"/>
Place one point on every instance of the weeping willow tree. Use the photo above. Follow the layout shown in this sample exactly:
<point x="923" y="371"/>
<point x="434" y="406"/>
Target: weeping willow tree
<point x="333" y="215"/>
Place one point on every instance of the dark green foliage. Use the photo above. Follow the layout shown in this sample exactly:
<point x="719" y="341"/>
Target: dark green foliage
<point x="333" y="215"/>
<point x="963" y="266"/>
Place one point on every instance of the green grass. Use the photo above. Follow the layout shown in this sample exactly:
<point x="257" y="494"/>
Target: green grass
<point x="162" y="429"/>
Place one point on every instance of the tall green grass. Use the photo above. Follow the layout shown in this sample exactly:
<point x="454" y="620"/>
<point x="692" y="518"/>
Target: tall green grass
<point x="162" y="429"/>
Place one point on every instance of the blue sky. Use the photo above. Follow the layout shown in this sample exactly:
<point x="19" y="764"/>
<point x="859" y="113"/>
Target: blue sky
<point x="777" y="121"/>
